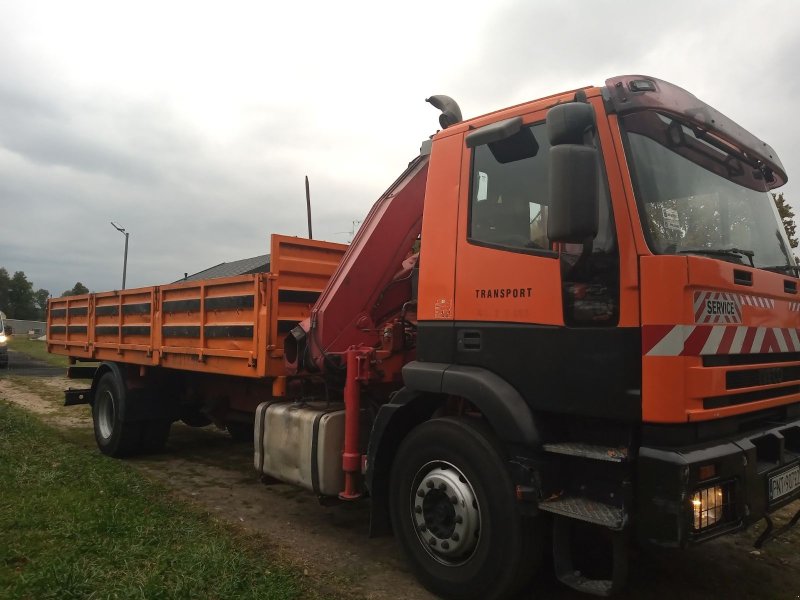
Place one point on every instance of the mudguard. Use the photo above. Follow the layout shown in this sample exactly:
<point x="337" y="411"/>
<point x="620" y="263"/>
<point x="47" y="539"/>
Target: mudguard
<point x="504" y="408"/>
<point x="427" y="386"/>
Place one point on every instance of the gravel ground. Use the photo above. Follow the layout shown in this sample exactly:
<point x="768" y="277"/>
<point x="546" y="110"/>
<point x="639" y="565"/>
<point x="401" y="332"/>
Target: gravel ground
<point x="331" y="543"/>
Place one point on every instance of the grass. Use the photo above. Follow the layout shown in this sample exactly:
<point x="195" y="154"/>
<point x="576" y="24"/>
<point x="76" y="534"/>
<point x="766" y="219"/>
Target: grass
<point x="37" y="349"/>
<point x="77" y="524"/>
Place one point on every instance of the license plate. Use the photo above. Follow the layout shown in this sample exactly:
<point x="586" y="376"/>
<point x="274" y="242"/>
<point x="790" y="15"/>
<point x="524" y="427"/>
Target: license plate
<point x="784" y="483"/>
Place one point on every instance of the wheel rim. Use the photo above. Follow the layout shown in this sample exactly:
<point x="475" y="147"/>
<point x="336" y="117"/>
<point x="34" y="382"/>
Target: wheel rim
<point x="105" y="414"/>
<point x="445" y="513"/>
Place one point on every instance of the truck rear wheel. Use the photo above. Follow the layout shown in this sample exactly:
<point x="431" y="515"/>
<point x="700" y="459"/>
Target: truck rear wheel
<point x="115" y="434"/>
<point x="454" y="510"/>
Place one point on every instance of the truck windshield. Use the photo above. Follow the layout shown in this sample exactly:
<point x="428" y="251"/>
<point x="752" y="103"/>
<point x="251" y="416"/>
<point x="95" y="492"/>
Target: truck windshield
<point x="696" y="195"/>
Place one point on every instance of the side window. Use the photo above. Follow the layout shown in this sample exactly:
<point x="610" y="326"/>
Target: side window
<point x="508" y="206"/>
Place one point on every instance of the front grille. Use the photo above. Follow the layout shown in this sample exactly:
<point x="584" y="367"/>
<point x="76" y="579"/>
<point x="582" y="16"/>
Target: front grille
<point x="731" y="360"/>
<point x="745" y="397"/>
<point x="756" y="377"/>
<point x="782" y="379"/>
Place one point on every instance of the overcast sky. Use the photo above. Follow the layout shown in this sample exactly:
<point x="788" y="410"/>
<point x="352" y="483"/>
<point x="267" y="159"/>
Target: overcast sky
<point x="192" y="124"/>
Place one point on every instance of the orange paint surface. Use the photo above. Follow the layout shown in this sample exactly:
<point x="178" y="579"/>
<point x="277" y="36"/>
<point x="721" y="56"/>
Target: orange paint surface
<point x="230" y="325"/>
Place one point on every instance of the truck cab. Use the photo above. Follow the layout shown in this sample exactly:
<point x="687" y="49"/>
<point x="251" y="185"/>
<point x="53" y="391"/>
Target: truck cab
<point x="608" y="266"/>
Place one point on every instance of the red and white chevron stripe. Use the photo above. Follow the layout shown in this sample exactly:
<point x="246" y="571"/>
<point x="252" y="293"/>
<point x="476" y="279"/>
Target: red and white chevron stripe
<point x="703" y="340"/>
<point x="757" y="301"/>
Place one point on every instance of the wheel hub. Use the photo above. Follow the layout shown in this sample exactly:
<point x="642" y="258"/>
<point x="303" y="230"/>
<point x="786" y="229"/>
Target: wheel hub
<point x="105" y="414"/>
<point x="446" y="513"/>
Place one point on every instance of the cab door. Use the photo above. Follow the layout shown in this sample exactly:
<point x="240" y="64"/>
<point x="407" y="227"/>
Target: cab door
<point x="507" y="270"/>
<point x="540" y="314"/>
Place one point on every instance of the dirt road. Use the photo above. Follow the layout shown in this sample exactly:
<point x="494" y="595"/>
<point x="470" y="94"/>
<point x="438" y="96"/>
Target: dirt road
<point x="22" y="364"/>
<point x="331" y="543"/>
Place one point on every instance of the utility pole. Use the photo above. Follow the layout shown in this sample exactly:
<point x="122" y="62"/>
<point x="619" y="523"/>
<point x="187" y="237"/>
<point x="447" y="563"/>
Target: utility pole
<point x="125" y="260"/>
<point x="308" y="209"/>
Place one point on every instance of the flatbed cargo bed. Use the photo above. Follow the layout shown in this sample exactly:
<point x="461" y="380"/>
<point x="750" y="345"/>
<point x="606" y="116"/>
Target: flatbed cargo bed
<point x="232" y="325"/>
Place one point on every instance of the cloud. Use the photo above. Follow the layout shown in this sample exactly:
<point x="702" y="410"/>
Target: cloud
<point x="193" y="127"/>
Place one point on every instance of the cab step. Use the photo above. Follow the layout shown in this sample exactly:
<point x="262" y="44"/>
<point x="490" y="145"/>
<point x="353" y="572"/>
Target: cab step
<point x="606" y="585"/>
<point x="590" y="451"/>
<point x="584" y="509"/>
<point x="595" y="587"/>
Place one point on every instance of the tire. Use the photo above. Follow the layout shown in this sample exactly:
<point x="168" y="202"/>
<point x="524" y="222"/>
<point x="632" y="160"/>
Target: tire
<point x="115" y="435"/>
<point x="240" y="432"/>
<point x="450" y="484"/>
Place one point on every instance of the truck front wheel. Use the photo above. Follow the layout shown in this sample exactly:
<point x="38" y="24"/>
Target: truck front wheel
<point x="115" y="434"/>
<point x="454" y="511"/>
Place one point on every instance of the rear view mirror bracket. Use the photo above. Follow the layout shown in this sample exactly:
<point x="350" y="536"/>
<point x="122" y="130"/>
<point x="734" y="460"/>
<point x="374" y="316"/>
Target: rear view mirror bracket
<point x="507" y="140"/>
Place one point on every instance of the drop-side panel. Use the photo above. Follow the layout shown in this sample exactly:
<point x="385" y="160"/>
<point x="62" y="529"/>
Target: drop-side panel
<point x="231" y="326"/>
<point x="300" y="270"/>
<point x="213" y="325"/>
<point x="68" y="326"/>
<point x="122" y="326"/>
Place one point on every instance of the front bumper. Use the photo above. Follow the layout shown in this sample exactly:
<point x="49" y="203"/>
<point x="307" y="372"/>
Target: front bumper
<point x="668" y="477"/>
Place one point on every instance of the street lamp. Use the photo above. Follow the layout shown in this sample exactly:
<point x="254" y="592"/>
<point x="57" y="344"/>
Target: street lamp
<point x="125" y="263"/>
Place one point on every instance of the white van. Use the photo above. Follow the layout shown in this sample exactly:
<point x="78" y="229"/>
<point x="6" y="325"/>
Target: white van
<point x="3" y="342"/>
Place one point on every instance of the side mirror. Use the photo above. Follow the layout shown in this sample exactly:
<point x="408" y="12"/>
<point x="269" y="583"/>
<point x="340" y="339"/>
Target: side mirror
<point x="574" y="214"/>
<point x="574" y="208"/>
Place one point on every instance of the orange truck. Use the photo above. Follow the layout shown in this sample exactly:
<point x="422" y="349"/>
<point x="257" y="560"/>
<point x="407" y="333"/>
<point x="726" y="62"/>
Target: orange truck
<point x="569" y="326"/>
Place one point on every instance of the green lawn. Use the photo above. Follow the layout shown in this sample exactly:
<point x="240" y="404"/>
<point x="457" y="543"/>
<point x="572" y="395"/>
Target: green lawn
<point x="36" y="349"/>
<point x="77" y="524"/>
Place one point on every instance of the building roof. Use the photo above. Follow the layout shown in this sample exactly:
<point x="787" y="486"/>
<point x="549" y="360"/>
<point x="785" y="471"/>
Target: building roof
<point x="246" y="266"/>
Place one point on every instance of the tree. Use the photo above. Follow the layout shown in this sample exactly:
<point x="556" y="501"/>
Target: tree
<point x="21" y="298"/>
<point x="787" y="216"/>
<point x="76" y="290"/>
<point x="40" y="299"/>
<point x="5" y="282"/>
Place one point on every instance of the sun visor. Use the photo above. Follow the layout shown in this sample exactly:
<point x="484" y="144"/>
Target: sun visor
<point x="630" y="93"/>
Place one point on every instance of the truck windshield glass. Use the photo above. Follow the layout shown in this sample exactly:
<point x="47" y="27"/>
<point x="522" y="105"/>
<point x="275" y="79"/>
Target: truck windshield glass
<point x="698" y="196"/>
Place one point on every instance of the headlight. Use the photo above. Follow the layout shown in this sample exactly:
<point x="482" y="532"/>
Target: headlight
<point x="710" y="505"/>
<point x="3" y="339"/>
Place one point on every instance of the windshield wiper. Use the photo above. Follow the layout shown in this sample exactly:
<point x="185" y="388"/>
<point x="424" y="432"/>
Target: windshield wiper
<point x="795" y="269"/>
<point x="737" y="252"/>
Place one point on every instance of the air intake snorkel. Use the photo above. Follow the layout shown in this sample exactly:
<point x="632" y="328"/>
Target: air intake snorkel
<point x="451" y="113"/>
